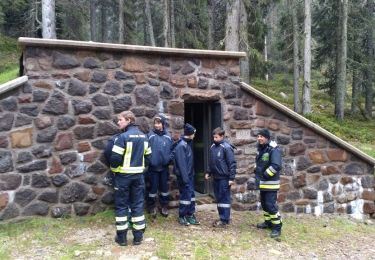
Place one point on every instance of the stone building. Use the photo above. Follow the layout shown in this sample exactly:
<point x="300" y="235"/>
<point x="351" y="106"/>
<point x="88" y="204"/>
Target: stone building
<point x="55" y="121"/>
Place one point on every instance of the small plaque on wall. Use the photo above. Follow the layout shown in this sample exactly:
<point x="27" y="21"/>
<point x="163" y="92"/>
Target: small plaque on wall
<point x="243" y="134"/>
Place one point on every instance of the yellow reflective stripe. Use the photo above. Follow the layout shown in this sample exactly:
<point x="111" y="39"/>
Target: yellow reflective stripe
<point x="269" y="186"/>
<point x="122" y="218"/>
<point x="122" y="227"/>
<point x="270" y="173"/>
<point x="139" y="227"/>
<point x="276" y="221"/>
<point x="133" y="169"/>
<point x="117" y="169"/>
<point x="118" y="149"/>
<point x="147" y="149"/>
<point x="128" y="155"/>
<point x="137" y="219"/>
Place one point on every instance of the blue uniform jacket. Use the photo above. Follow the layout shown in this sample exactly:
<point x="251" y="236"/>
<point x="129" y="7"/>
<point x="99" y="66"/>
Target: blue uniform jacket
<point x="222" y="164"/>
<point x="182" y="156"/>
<point x="130" y="151"/>
<point x="161" y="144"/>
<point x="268" y="166"/>
<point x="108" y="149"/>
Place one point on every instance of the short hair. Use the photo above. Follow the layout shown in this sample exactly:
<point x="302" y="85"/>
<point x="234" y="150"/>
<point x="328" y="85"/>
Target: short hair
<point x="128" y="115"/>
<point x="218" y="131"/>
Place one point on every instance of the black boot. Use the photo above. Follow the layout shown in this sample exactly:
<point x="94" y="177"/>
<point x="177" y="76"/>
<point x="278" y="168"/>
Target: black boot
<point x="121" y="238"/>
<point x="275" y="233"/>
<point x="264" y="225"/>
<point x="137" y="240"/>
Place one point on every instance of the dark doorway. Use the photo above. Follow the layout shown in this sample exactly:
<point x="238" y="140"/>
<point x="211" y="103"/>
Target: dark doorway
<point x="204" y="117"/>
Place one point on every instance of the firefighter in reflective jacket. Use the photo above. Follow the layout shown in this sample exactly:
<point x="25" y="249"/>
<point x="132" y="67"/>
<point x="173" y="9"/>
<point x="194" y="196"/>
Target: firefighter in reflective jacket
<point x="128" y="158"/>
<point x="222" y="167"/>
<point x="267" y="175"/>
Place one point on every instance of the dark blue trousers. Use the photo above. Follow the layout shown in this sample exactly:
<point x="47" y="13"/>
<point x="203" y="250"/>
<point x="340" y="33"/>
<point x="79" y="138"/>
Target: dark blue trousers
<point x="129" y="196"/>
<point x="223" y="199"/>
<point x="187" y="197"/>
<point x="268" y="200"/>
<point x="157" y="181"/>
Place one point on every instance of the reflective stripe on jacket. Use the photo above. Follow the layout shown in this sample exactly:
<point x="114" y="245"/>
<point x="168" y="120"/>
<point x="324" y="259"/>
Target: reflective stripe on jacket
<point x="268" y="166"/>
<point x="129" y="151"/>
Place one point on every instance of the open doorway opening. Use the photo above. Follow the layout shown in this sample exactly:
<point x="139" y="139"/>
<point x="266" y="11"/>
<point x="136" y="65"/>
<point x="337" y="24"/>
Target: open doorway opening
<point x="204" y="117"/>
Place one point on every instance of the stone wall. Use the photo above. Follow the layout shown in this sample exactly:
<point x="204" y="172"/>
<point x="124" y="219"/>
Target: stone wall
<point x="54" y="127"/>
<point x="318" y="176"/>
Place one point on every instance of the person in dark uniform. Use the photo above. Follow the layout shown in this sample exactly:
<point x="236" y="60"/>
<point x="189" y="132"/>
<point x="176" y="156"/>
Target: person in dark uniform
<point x="267" y="175"/>
<point x="128" y="159"/>
<point x="222" y="167"/>
<point x="158" y="174"/>
<point x="182" y="156"/>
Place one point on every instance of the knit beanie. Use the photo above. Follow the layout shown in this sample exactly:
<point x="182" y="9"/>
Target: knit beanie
<point x="189" y="129"/>
<point x="265" y="133"/>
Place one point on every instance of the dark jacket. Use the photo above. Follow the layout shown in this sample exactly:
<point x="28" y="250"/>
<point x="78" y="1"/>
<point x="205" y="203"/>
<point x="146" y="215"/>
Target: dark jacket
<point x="161" y="144"/>
<point x="182" y="156"/>
<point x="268" y="166"/>
<point x="222" y="164"/>
<point x="130" y="151"/>
<point x="108" y="149"/>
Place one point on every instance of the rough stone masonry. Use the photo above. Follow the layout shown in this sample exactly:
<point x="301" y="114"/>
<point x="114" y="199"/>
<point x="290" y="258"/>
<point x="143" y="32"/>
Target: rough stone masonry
<point x="53" y="130"/>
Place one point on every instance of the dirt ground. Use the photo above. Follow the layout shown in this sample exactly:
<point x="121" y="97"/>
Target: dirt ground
<point x="166" y="239"/>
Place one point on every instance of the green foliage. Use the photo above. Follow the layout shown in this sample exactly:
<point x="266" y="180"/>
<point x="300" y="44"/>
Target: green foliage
<point x="191" y="24"/>
<point x="71" y="19"/>
<point x="9" y="75"/>
<point x="9" y="59"/>
<point x="363" y="133"/>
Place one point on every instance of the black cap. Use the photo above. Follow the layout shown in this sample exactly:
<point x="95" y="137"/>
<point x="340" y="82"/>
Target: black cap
<point x="265" y="133"/>
<point x="189" y="129"/>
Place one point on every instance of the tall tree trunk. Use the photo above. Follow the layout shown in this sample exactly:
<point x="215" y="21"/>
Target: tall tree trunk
<point x="232" y="26"/>
<point x="292" y="7"/>
<point x="356" y="91"/>
<point x="166" y="23"/>
<point x="341" y="60"/>
<point x="369" y="70"/>
<point x="48" y="19"/>
<point x="150" y="27"/>
<point x="104" y="25"/>
<point x="33" y="19"/>
<point x="121" y="25"/>
<point x="173" y="21"/>
<point x="265" y="52"/>
<point x="306" y="96"/>
<point x="210" y="36"/>
<point x="244" y="40"/>
<point x="93" y="21"/>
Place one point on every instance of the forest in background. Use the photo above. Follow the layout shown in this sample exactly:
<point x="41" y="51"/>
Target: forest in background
<point x="316" y="56"/>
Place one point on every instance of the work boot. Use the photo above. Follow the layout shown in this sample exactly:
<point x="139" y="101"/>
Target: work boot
<point x="164" y="212"/>
<point x="152" y="212"/>
<point x="121" y="238"/>
<point x="275" y="233"/>
<point x="219" y="224"/>
<point x="137" y="241"/>
<point x="264" y="225"/>
<point x="192" y="220"/>
<point x="183" y="221"/>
